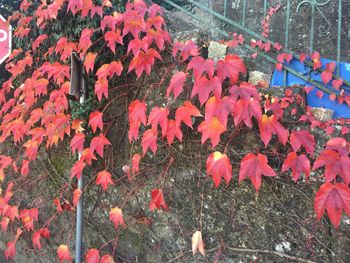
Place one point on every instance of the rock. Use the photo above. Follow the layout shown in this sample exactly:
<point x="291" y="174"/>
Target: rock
<point x="259" y="78"/>
<point x="322" y="114"/>
<point x="216" y="50"/>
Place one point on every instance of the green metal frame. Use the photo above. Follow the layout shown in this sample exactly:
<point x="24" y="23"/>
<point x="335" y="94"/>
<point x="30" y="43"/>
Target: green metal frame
<point x="315" y="6"/>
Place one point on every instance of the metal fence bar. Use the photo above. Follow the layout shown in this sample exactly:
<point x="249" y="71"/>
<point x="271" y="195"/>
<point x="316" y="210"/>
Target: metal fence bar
<point x="312" y="30"/>
<point x="244" y="12"/>
<point x="340" y="13"/>
<point x="225" y="8"/>
<point x="286" y="37"/>
<point x="265" y="8"/>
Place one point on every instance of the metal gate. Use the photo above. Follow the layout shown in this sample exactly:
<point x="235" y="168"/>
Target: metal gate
<point x="301" y="26"/>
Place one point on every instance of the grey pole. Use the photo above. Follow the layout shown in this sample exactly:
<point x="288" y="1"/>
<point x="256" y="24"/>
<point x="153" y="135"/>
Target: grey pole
<point x="77" y="89"/>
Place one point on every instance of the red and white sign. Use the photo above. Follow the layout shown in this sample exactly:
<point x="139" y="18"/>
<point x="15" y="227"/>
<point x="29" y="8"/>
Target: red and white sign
<point x="5" y="39"/>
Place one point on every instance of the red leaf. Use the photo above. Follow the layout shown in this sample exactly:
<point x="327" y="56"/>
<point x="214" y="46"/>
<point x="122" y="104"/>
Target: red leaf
<point x="63" y="253"/>
<point x="337" y="83"/>
<point x="186" y="50"/>
<point x="107" y="259"/>
<point x="176" y="84"/>
<point x="10" y="251"/>
<point x="326" y="76"/>
<point x="173" y="131"/>
<point x="76" y="196"/>
<point x="104" y="178"/>
<point x="211" y="130"/>
<point x="36" y="240"/>
<point x="245" y="90"/>
<point x="334" y="165"/>
<point x="157" y="200"/>
<point x="116" y="216"/>
<point x="25" y="168"/>
<point x="159" y="116"/>
<point x="135" y="163"/>
<point x="269" y="126"/>
<point x="137" y="115"/>
<point x="220" y="108"/>
<point x="77" y="142"/>
<point x="85" y="39"/>
<point x="302" y="138"/>
<point x="203" y="87"/>
<point x="185" y="112"/>
<point x="230" y="68"/>
<point x="4" y="223"/>
<point x="144" y="62"/>
<point x="89" y="62"/>
<point x="149" y="140"/>
<point x="340" y="145"/>
<point x="201" y="65"/>
<point x="298" y="164"/>
<point x="101" y="88"/>
<point x="279" y="66"/>
<point x="95" y="121"/>
<point x="98" y="143"/>
<point x="113" y="37"/>
<point x="92" y="256"/>
<point x="333" y="198"/>
<point x="254" y="167"/>
<point x="87" y="156"/>
<point x="115" y="68"/>
<point x="38" y="41"/>
<point x="218" y="166"/>
<point x="77" y="169"/>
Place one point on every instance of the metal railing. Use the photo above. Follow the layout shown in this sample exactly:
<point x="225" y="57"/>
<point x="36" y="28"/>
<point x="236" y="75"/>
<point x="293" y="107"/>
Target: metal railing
<point x="301" y="26"/>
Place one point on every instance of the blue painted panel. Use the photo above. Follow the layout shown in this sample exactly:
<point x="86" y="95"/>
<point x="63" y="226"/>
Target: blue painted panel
<point x="340" y="110"/>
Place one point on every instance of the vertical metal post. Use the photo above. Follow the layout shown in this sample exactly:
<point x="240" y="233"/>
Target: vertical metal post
<point x="340" y="16"/>
<point x="286" y="39"/>
<point x="77" y="89"/>
<point x="244" y="11"/>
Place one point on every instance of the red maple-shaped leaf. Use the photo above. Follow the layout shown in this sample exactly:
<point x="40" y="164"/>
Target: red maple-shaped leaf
<point x="338" y="144"/>
<point x="92" y="256"/>
<point x="38" y="41"/>
<point x="36" y="240"/>
<point x="95" y="121"/>
<point x="333" y="198"/>
<point x="115" y="68"/>
<point x="137" y="115"/>
<point x="245" y="110"/>
<point x="89" y="62"/>
<point x="302" y="138"/>
<point x="98" y="143"/>
<point x="87" y="156"/>
<point x="107" y="259"/>
<point x="104" y="178"/>
<point x="63" y="253"/>
<point x="149" y="140"/>
<point x="25" y="168"/>
<point x="173" y="131"/>
<point x="157" y="200"/>
<point x="218" y="166"/>
<point x="254" y="166"/>
<point x="334" y="165"/>
<point x="77" y="142"/>
<point x="144" y="62"/>
<point x="201" y="65"/>
<point x="116" y="216"/>
<point x="75" y="6"/>
<point x="176" y="84"/>
<point x="113" y="37"/>
<point x="186" y="50"/>
<point x="211" y="130"/>
<point x="297" y="164"/>
<point x="185" y="112"/>
<point x="4" y="223"/>
<point x="159" y="116"/>
<point x="10" y="251"/>
<point x="135" y="163"/>
<point x="76" y="196"/>
<point x="326" y="76"/>
<point x="268" y="126"/>
<point x="85" y="39"/>
<point x="337" y="83"/>
<point x="204" y="86"/>
<point x="101" y="88"/>
<point x="230" y="68"/>
<point x="77" y="169"/>
<point x="245" y="91"/>
<point x="220" y="108"/>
